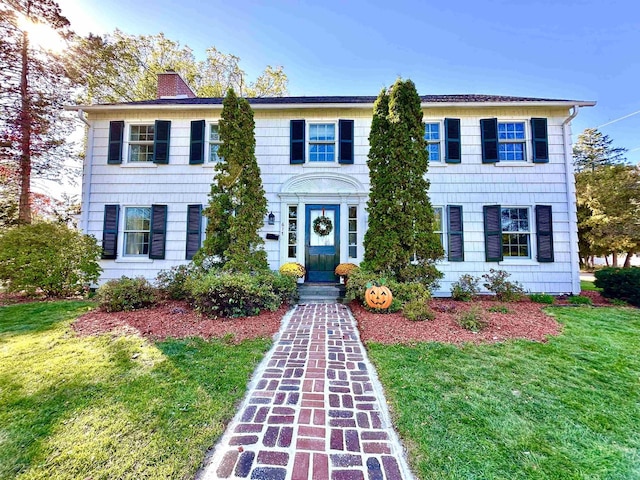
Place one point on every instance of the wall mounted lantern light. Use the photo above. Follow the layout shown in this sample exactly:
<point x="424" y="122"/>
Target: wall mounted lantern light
<point x="272" y="219"/>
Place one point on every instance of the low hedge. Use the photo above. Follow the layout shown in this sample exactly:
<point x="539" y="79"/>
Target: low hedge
<point x="222" y="294"/>
<point x="402" y="292"/>
<point x="620" y="283"/>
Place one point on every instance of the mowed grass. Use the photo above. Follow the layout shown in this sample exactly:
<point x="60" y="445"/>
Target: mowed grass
<point x="110" y="407"/>
<point x="566" y="409"/>
<point x="588" y="286"/>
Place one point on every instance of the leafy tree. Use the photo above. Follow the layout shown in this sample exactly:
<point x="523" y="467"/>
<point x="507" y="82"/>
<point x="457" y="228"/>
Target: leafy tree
<point x="122" y="68"/>
<point x="593" y="150"/>
<point x="608" y="201"/>
<point x="237" y="204"/>
<point x="401" y="218"/>
<point x="33" y="88"/>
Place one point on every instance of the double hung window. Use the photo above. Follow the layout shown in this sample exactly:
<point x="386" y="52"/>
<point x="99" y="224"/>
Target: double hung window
<point x="516" y="232"/>
<point x="137" y="226"/>
<point x="141" y="143"/>
<point x="437" y="224"/>
<point x="432" y="139"/>
<point x="322" y="142"/>
<point x="511" y="141"/>
<point x="214" y="143"/>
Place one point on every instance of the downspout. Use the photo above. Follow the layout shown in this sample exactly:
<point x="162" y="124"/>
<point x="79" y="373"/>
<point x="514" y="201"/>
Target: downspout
<point x="86" y="173"/>
<point x="571" y="203"/>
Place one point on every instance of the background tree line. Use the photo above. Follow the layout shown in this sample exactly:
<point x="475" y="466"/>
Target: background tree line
<point x="608" y="199"/>
<point x="36" y="82"/>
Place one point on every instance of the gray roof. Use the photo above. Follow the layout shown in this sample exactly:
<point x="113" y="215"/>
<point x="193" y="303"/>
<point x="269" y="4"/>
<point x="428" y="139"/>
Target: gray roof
<point x="457" y="98"/>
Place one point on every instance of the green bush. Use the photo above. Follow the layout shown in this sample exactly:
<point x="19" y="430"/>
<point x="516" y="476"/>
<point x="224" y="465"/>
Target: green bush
<point x="223" y="294"/>
<point x="465" y="288"/>
<point x="125" y="294"/>
<point x="498" y="309"/>
<point x="418" y="310"/>
<point x="542" y="298"/>
<point x="172" y="283"/>
<point x="402" y="292"/>
<point x="578" y="300"/>
<point x="48" y="258"/>
<point x="284" y="286"/>
<point x="472" y="319"/>
<point x="620" y="283"/>
<point x="506" y="291"/>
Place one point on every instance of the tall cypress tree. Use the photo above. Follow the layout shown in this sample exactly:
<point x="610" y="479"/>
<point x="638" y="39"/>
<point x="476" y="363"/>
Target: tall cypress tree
<point x="237" y="203"/>
<point x="400" y="241"/>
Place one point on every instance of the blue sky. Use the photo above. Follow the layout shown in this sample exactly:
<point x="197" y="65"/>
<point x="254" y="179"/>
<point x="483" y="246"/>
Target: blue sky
<point x="570" y="49"/>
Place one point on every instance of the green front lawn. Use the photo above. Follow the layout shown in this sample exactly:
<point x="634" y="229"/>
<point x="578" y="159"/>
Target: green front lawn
<point x="110" y="406"/>
<point x="588" y="285"/>
<point x="566" y="409"/>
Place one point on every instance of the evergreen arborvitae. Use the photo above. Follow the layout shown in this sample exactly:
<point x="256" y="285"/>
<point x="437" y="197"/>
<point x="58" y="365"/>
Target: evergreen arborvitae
<point x="237" y="203"/>
<point x="400" y="214"/>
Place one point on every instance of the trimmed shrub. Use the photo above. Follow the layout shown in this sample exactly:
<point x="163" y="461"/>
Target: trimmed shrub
<point x="465" y="288"/>
<point x="48" y="258"/>
<point x="172" y="283"/>
<point x="223" y="294"/>
<point x="402" y="292"/>
<point x="620" y="283"/>
<point x="126" y="294"/>
<point x="506" y="291"/>
<point x="542" y="298"/>
<point x="418" y="310"/>
<point x="472" y="319"/>
<point x="578" y="300"/>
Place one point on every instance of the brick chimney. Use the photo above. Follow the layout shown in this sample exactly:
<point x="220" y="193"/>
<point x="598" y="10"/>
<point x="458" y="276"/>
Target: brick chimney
<point x="171" y="85"/>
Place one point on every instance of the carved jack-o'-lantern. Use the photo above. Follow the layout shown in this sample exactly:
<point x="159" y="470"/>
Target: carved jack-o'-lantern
<point x="378" y="297"/>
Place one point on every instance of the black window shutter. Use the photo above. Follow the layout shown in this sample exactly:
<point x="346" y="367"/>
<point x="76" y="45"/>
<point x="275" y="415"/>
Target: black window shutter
<point x="196" y="147"/>
<point x="116" y="133"/>
<point x="345" y="148"/>
<point x="489" y="136"/>
<point x="452" y="140"/>
<point x="194" y="230"/>
<point x="544" y="229"/>
<point x="455" y="233"/>
<point x="492" y="233"/>
<point x="161" y="137"/>
<point x="110" y="232"/>
<point x="297" y="142"/>
<point x="540" y="140"/>
<point x="158" y="231"/>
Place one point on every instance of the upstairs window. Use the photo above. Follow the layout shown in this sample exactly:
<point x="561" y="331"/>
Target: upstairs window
<point x="511" y="141"/>
<point x="137" y="226"/>
<point x="141" y="143"/>
<point x="432" y="138"/>
<point x="214" y="143"/>
<point x="516" y="233"/>
<point x="322" y="142"/>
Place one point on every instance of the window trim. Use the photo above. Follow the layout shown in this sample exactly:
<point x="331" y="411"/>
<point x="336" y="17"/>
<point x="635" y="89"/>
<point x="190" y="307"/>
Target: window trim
<point x="529" y="233"/>
<point x="439" y="142"/>
<point x="525" y="141"/>
<point x="335" y="142"/>
<point x="125" y="231"/>
<point x="128" y="142"/>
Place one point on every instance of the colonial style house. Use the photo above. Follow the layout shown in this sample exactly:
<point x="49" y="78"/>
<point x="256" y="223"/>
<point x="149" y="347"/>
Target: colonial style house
<point x="500" y="170"/>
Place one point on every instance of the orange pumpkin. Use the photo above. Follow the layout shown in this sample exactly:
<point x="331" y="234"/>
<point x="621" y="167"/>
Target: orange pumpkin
<point x="378" y="297"/>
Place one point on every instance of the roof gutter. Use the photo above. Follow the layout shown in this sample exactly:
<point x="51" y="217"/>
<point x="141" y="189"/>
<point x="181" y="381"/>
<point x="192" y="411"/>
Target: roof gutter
<point x="301" y="106"/>
<point x="570" y="189"/>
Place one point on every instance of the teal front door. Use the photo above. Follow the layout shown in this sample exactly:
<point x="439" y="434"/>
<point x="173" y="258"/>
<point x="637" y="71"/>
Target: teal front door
<point x="322" y="242"/>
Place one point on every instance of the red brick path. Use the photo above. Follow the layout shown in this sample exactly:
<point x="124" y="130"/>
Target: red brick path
<point x="313" y="412"/>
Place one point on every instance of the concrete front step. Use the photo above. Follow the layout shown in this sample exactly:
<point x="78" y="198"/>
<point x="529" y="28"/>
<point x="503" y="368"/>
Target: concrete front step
<point x="319" y="293"/>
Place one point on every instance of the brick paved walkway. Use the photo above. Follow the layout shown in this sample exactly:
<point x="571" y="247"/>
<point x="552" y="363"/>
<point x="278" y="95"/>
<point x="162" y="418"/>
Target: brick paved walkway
<point x="314" y="410"/>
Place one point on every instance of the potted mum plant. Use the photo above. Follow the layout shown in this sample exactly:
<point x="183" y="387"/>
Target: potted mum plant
<point x="343" y="270"/>
<point x="293" y="269"/>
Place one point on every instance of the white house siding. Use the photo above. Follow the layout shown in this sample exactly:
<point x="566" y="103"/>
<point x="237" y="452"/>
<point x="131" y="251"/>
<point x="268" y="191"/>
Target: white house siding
<point x="470" y="184"/>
